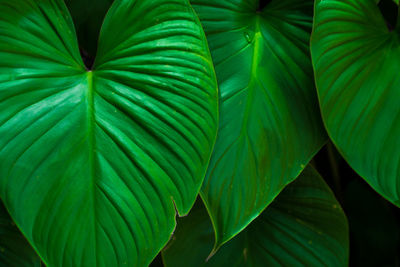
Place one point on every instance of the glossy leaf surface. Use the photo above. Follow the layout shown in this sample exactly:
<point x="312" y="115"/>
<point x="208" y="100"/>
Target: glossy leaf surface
<point x="269" y="118"/>
<point x="304" y="226"/>
<point x="92" y="162"/>
<point x="15" y="250"/>
<point x="356" y="61"/>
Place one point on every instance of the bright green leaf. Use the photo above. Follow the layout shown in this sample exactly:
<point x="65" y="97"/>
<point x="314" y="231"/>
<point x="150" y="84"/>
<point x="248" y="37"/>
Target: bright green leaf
<point x="270" y="124"/>
<point x="15" y="251"/>
<point x="356" y="61"/>
<point x="92" y="161"/>
<point x="304" y="226"/>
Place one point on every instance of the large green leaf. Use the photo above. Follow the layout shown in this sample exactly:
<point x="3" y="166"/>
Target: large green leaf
<point x="270" y="124"/>
<point x="304" y="226"/>
<point x="92" y="162"/>
<point x="15" y="251"/>
<point x="356" y="61"/>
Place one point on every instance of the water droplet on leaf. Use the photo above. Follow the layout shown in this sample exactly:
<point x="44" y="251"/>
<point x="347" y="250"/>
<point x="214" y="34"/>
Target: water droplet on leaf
<point x="248" y="37"/>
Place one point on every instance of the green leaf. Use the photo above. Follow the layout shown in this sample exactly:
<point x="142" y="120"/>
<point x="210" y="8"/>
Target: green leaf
<point x="356" y="61"/>
<point x="270" y="124"/>
<point x="15" y="251"/>
<point x="92" y="162"/>
<point x="304" y="226"/>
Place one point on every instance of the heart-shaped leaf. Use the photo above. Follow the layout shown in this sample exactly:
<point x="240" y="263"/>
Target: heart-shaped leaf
<point x="304" y="226"/>
<point x="357" y="68"/>
<point x="270" y="124"/>
<point x="92" y="161"/>
<point x="15" y="251"/>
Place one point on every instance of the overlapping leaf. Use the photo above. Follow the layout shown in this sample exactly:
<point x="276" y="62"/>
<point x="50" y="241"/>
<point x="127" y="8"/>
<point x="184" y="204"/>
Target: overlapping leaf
<point x="304" y="226"/>
<point x="92" y="161"/>
<point x="15" y="251"/>
<point x="269" y="118"/>
<point x="356" y="61"/>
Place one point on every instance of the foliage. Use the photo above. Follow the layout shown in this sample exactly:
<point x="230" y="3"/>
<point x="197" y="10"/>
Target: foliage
<point x="95" y="162"/>
<point x="303" y="219"/>
<point x="116" y="115"/>
<point x="14" y="250"/>
<point x="359" y="98"/>
<point x="265" y="97"/>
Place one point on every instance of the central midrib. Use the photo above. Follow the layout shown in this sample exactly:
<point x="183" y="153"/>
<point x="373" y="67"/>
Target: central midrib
<point x="92" y="146"/>
<point x="256" y="57"/>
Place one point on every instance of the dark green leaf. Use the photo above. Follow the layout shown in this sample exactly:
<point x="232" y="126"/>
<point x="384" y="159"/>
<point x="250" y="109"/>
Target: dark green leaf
<point x="270" y="124"/>
<point x="304" y="226"/>
<point x="15" y="251"/>
<point x="92" y="161"/>
<point x="356" y="60"/>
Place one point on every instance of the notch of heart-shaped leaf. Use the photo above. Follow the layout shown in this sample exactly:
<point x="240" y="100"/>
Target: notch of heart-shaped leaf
<point x="88" y="16"/>
<point x="356" y="60"/>
<point x="262" y="4"/>
<point x="92" y="161"/>
<point x="389" y="11"/>
<point x="270" y="124"/>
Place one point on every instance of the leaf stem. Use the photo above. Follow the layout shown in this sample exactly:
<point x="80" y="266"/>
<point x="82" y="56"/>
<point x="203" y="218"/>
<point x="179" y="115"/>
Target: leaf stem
<point x="335" y="171"/>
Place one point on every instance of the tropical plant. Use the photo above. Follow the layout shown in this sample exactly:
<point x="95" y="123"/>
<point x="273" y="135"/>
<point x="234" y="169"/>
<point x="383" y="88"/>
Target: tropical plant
<point x="248" y="116"/>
